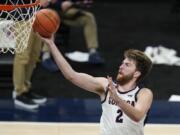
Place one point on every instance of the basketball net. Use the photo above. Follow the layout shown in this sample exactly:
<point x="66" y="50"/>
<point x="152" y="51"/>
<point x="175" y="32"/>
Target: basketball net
<point x="16" y="20"/>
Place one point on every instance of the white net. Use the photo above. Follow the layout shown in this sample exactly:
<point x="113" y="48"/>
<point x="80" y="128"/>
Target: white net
<point x="16" y="20"/>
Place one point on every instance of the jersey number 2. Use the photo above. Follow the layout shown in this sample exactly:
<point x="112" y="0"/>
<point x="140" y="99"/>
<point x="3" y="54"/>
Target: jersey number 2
<point x="119" y="117"/>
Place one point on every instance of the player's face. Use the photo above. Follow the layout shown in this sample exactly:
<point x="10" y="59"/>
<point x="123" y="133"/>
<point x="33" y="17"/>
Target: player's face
<point x="126" y="71"/>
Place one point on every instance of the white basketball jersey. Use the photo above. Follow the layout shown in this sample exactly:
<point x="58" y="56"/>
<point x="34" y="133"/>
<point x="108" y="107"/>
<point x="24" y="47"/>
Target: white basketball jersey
<point x="114" y="121"/>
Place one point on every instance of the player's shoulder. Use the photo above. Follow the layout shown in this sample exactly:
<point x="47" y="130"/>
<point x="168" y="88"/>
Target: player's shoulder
<point x="145" y="90"/>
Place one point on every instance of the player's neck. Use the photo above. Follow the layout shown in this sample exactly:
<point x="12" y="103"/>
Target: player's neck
<point x="126" y="87"/>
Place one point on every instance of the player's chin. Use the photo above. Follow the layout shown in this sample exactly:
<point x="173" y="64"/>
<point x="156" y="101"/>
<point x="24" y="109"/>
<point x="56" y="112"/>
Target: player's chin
<point x="119" y="76"/>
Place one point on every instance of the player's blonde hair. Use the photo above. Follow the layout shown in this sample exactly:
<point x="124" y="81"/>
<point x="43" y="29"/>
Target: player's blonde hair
<point x="143" y="63"/>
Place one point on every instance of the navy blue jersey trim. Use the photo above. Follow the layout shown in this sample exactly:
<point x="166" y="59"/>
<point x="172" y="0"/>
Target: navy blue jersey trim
<point x="126" y="91"/>
<point x="106" y="93"/>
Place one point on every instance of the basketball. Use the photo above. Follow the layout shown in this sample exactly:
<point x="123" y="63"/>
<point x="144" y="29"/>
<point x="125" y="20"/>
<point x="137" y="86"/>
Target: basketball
<point x="46" y="23"/>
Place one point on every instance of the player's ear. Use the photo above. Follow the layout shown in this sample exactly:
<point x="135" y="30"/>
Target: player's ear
<point x="137" y="74"/>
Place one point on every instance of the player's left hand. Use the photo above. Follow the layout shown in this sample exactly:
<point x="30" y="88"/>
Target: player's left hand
<point x="112" y="88"/>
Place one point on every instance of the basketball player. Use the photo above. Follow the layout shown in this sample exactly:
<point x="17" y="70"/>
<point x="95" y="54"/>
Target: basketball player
<point x="124" y="103"/>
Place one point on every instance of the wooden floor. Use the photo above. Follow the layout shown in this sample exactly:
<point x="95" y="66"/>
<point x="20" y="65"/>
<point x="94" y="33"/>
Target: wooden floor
<point x="29" y="128"/>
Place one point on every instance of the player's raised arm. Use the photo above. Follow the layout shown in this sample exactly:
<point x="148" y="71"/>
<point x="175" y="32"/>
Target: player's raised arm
<point x="83" y="80"/>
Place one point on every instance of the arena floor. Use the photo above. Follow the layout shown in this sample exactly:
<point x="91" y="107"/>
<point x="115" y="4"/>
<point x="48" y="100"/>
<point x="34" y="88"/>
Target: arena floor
<point x="24" y="128"/>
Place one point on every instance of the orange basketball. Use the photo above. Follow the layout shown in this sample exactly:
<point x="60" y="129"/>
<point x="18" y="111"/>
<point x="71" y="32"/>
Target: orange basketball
<point x="46" y="23"/>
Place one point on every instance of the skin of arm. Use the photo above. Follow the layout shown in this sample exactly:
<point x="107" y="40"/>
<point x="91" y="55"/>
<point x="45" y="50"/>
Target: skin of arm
<point x="137" y="112"/>
<point x="82" y="80"/>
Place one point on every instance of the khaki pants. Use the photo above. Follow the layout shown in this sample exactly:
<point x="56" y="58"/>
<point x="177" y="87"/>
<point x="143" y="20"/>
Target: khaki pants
<point x="24" y="64"/>
<point x="87" y="21"/>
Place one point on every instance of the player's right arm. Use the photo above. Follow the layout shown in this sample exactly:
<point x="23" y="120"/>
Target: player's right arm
<point x="84" y="81"/>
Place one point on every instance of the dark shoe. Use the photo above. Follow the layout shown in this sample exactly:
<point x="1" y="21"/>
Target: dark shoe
<point x="24" y="102"/>
<point x="50" y="65"/>
<point x="95" y="58"/>
<point x="36" y="98"/>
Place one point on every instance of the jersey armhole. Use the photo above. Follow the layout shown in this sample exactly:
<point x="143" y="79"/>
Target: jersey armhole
<point x="137" y="93"/>
<point x="105" y="96"/>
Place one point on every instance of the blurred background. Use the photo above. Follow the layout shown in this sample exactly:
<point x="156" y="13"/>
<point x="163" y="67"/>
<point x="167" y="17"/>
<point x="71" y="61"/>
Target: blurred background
<point x="152" y="26"/>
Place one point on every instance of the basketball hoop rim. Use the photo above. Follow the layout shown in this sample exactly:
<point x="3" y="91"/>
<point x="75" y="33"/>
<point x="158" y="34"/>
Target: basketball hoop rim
<point x="12" y="7"/>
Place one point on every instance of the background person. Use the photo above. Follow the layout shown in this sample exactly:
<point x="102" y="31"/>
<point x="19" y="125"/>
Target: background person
<point x="73" y="15"/>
